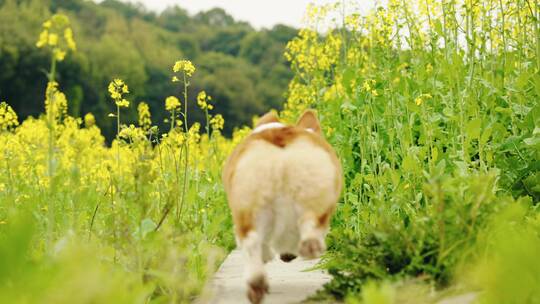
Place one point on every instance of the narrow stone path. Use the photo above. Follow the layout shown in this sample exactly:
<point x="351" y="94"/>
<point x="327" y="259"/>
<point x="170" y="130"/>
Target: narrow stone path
<point x="289" y="282"/>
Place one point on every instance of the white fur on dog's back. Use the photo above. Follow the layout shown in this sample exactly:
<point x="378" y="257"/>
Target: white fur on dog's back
<point x="301" y="171"/>
<point x="271" y="125"/>
<point x="310" y="175"/>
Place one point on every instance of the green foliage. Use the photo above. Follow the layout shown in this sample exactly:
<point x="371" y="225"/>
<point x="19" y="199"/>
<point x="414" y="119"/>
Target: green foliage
<point x="72" y="274"/>
<point x="75" y="270"/>
<point x="437" y="132"/>
<point x="425" y="237"/>
<point x="373" y="294"/>
<point x="506" y="268"/>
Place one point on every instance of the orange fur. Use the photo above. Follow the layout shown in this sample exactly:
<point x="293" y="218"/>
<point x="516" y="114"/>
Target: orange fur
<point x="243" y="220"/>
<point x="309" y="120"/>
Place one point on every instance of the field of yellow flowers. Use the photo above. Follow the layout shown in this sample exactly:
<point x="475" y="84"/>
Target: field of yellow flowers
<point x="80" y="222"/>
<point x="433" y="108"/>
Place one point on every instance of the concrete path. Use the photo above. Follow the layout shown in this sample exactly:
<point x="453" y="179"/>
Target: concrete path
<point x="467" y="298"/>
<point x="289" y="282"/>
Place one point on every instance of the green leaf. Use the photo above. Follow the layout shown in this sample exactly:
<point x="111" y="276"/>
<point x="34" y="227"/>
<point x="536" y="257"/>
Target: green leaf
<point x="486" y="135"/>
<point x="147" y="226"/>
<point x="410" y="164"/>
<point x="347" y="106"/>
<point x="348" y="76"/>
<point x="532" y="141"/>
<point x="474" y="127"/>
<point x="520" y="109"/>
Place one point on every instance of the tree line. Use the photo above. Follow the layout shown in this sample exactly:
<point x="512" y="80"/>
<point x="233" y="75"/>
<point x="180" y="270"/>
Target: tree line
<point x="242" y="68"/>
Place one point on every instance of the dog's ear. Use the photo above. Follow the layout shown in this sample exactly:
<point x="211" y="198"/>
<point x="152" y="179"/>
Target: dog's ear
<point x="309" y="121"/>
<point x="267" y="118"/>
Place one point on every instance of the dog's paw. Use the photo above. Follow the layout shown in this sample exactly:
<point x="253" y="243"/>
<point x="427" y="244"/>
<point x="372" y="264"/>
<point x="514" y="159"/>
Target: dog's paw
<point x="257" y="287"/>
<point x="287" y="257"/>
<point x="311" y="248"/>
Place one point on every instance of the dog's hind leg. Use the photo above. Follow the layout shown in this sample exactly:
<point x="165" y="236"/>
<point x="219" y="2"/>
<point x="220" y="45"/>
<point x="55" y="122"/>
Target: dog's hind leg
<point x="252" y="247"/>
<point x="313" y="230"/>
<point x="256" y="253"/>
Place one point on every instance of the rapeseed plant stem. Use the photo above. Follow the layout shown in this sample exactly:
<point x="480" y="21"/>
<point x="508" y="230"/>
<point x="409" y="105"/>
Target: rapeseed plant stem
<point x="50" y="155"/>
<point x="118" y="136"/>
<point x="186" y="84"/>
<point x="186" y="158"/>
<point x="57" y="37"/>
<point x="51" y="118"/>
<point x="207" y="116"/>
<point x="117" y="120"/>
<point x="173" y="118"/>
<point x="187" y="69"/>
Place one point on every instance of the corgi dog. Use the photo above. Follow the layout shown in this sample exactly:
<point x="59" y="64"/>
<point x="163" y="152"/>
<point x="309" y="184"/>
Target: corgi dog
<point x="282" y="183"/>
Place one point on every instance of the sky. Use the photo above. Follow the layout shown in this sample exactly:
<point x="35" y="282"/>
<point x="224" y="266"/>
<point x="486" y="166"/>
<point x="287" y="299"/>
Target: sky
<point x="259" y="13"/>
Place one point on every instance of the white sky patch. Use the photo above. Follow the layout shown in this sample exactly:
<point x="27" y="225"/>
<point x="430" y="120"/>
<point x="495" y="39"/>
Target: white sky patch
<point x="259" y="13"/>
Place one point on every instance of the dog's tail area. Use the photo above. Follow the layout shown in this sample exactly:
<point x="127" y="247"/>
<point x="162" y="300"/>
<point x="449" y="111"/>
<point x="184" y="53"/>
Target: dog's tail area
<point x="280" y="137"/>
<point x="283" y="135"/>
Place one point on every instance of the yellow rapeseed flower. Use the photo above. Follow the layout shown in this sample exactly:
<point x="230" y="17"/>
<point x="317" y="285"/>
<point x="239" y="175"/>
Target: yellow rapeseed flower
<point x="420" y="99"/>
<point x="132" y="133"/>
<point x="172" y="103"/>
<point x="68" y="35"/>
<point x="184" y="66"/>
<point x="89" y="120"/>
<point x="8" y="117"/>
<point x="174" y="138"/>
<point x="117" y="88"/>
<point x="366" y="87"/>
<point x="43" y="39"/>
<point x="369" y="87"/>
<point x="145" y="118"/>
<point x="53" y="39"/>
<point x="217" y="122"/>
<point x="55" y="101"/>
<point x="203" y="100"/>
<point x="124" y="103"/>
<point x="59" y="54"/>
<point x="194" y="135"/>
<point x="353" y="21"/>
<point x="57" y="36"/>
<point x="429" y="68"/>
